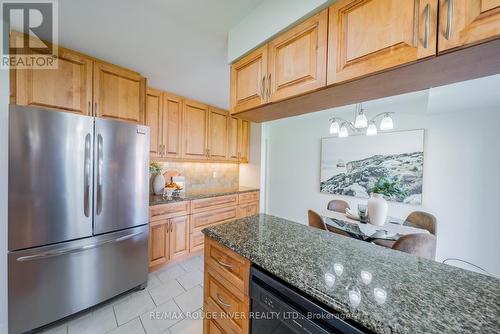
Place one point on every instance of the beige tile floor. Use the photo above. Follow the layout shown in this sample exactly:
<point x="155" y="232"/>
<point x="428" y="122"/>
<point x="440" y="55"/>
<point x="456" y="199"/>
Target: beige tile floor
<point x="175" y="288"/>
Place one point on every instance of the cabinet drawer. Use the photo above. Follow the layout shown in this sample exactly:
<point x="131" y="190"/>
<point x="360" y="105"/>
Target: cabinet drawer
<point x="196" y="241"/>
<point x="227" y="298"/>
<point x="249" y="197"/>
<point x="221" y="320"/>
<point x="247" y="210"/>
<point x="204" y="219"/>
<point x="205" y="204"/>
<point x="211" y="326"/>
<point x="233" y="267"/>
<point x="165" y="211"/>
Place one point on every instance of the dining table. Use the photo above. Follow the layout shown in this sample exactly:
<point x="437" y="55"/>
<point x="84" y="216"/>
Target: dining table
<point x="392" y="230"/>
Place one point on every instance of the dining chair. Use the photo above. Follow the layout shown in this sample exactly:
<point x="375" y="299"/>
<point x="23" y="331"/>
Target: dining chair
<point x="337" y="205"/>
<point x="423" y="220"/>
<point x="315" y="220"/>
<point x="419" y="244"/>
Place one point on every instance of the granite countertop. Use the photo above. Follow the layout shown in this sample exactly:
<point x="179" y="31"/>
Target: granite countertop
<point x="193" y="194"/>
<point x="422" y="296"/>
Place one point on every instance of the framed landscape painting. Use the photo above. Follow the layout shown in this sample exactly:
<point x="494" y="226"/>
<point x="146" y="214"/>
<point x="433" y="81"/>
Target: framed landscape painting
<point x="352" y="166"/>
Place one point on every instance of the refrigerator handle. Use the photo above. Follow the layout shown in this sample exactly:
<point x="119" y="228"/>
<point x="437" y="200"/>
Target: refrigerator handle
<point x="87" y="177"/>
<point x="99" y="174"/>
<point x="66" y="251"/>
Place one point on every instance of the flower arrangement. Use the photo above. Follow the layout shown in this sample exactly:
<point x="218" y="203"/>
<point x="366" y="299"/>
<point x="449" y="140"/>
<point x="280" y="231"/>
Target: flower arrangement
<point x="155" y="168"/>
<point x="389" y="187"/>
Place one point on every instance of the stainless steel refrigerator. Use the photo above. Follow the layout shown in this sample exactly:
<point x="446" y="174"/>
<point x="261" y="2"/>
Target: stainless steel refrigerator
<point x="78" y="213"/>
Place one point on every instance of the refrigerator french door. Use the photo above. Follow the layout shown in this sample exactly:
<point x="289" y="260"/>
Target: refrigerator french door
<point x="78" y="213"/>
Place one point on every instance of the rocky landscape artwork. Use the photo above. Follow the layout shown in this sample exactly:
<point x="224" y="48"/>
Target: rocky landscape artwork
<point x="351" y="166"/>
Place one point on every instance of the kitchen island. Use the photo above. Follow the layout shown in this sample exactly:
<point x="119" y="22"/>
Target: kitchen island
<point x="398" y="292"/>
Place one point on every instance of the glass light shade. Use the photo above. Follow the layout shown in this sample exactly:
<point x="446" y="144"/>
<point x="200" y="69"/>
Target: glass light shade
<point x="371" y="130"/>
<point x="334" y="128"/>
<point x="387" y="123"/>
<point x="343" y="132"/>
<point x="361" y="121"/>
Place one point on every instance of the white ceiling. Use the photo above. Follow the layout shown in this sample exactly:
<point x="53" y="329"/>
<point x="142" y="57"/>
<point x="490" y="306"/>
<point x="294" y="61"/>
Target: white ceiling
<point x="179" y="45"/>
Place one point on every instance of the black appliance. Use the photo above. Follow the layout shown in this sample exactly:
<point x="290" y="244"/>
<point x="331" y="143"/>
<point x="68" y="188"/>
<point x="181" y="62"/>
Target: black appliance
<point x="279" y="309"/>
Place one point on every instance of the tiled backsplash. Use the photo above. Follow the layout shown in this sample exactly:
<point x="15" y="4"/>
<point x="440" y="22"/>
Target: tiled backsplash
<point x="204" y="175"/>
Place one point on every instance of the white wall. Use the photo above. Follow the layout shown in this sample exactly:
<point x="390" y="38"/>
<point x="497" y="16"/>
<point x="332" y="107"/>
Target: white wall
<point x="250" y="173"/>
<point x="4" y="105"/>
<point x="265" y="21"/>
<point x="461" y="171"/>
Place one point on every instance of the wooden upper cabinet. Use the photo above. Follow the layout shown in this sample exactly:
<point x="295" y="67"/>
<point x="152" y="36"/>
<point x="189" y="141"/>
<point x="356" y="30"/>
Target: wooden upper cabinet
<point x="195" y="117"/>
<point x="172" y="125"/>
<point x="248" y="77"/>
<point x="119" y="93"/>
<point x="297" y="59"/>
<point x="66" y="88"/>
<point x="233" y="142"/>
<point x="218" y="127"/>
<point x="464" y="22"/>
<point x="244" y="140"/>
<point x="367" y="36"/>
<point x="154" y="115"/>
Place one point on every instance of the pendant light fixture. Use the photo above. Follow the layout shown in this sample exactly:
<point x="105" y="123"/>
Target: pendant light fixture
<point x="340" y="127"/>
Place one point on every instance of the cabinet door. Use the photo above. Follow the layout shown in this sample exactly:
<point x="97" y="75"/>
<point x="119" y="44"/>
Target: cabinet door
<point x="159" y="250"/>
<point x="195" y="119"/>
<point x="218" y="128"/>
<point x="66" y="88"/>
<point x="233" y="141"/>
<point x="368" y="36"/>
<point x="297" y="59"/>
<point x="248" y="77"/>
<point x="172" y="125"/>
<point x="463" y="22"/>
<point x="154" y="115"/>
<point x="179" y="237"/>
<point x="119" y="93"/>
<point x="244" y="140"/>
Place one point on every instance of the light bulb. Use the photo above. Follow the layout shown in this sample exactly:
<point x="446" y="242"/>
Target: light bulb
<point x="343" y="132"/>
<point x="387" y="123"/>
<point x="371" y="130"/>
<point x="334" y="128"/>
<point x="361" y="121"/>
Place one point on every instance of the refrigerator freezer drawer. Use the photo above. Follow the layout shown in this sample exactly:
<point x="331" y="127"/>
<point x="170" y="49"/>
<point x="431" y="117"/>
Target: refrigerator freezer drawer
<point x="52" y="282"/>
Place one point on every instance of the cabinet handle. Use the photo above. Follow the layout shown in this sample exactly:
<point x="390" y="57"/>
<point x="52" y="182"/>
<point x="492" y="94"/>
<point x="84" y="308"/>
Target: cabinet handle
<point x="449" y="20"/>
<point x="269" y="86"/>
<point x="171" y="227"/>
<point x="95" y="109"/>
<point x="90" y="109"/>
<point x="263" y="88"/>
<point x="219" y="299"/>
<point x="224" y="264"/>
<point x="427" y="11"/>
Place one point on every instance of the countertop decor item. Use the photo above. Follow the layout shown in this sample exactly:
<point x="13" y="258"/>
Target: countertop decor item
<point x="158" y="178"/>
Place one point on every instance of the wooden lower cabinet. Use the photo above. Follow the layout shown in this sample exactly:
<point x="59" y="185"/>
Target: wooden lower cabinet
<point x="168" y="240"/>
<point x="179" y="237"/>
<point x="175" y="228"/>
<point x="225" y="290"/>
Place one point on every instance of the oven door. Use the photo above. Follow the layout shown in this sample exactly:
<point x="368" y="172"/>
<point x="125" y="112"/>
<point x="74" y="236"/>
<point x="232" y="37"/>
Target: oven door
<point x="276" y="308"/>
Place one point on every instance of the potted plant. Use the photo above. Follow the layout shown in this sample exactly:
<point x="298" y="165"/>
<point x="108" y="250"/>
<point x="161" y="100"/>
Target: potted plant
<point x="158" y="179"/>
<point x="377" y="205"/>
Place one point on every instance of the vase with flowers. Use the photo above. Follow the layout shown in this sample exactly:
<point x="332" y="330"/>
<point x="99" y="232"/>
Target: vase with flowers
<point x="158" y="179"/>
